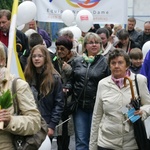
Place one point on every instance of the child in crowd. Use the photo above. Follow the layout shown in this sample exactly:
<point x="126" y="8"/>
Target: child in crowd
<point x="136" y="58"/>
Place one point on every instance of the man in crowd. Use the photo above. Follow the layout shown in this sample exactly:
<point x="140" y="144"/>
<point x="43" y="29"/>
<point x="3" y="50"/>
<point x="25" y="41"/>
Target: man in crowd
<point x="33" y="25"/>
<point x="21" y="39"/>
<point x="145" y="35"/>
<point x="133" y="34"/>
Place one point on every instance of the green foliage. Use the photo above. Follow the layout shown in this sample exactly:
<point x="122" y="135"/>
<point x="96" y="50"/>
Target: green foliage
<point x="7" y="4"/>
<point x="6" y="99"/>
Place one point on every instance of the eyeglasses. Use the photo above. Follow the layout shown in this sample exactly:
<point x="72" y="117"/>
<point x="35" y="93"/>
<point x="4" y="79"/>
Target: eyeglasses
<point x="92" y="43"/>
<point x="61" y="48"/>
<point x="37" y="55"/>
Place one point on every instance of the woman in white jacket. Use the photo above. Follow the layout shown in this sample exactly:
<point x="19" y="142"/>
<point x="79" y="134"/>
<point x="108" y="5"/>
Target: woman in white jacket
<point x="109" y="129"/>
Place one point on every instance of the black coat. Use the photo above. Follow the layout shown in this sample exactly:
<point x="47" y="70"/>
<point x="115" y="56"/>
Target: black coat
<point x="143" y="38"/>
<point x="50" y="106"/>
<point x="135" y="36"/>
<point x="23" y="50"/>
<point x="84" y="80"/>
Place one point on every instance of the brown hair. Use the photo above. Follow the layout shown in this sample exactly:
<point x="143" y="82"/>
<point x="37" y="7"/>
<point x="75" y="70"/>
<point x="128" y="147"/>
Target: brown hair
<point x="66" y="42"/>
<point x="119" y="52"/>
<point x="132" y="20"/>
<point x="136" y="53"/>
<point x="47" y="79"/>
<point x="5" y="12"/>
<point x="123" y="34"/>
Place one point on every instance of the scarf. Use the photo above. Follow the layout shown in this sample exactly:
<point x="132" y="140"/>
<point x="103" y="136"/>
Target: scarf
<point x="90" y="59"/>
<point x="120" y="82"/>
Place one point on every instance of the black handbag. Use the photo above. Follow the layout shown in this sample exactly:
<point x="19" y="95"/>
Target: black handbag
<point x="70" y="107"/>
<point x="139" y="128"/>
<point x="31" y="142"/>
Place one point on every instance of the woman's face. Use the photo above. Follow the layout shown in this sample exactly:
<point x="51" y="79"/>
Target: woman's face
<point x="62" y="51"/>
<point x="93" y="47"/>
<point x="125" y="41"/>
<point x="104" y="38"/>
<point x="118" y="67"/>
<point x="136" y="62"/>
<point x="38" y="59"/>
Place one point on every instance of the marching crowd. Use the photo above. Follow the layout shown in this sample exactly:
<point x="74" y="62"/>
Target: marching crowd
<point x="76" y="93"/>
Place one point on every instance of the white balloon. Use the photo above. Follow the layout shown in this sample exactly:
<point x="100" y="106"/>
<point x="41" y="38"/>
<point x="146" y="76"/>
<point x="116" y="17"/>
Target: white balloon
<point x="67" y="17"/>
<point x="84" y="20"/>
<point x="46" y="145"/>
<point x="26" y="12"/>
<point x="76" y="32"/>
<point x="145" y="48"/>
<point x="21" y="27"/>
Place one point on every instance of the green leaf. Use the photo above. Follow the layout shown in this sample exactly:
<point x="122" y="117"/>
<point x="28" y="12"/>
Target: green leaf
<point x="6" y="99"/>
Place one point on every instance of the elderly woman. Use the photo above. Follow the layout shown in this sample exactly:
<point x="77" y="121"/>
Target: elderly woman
<point x="87" y="71"/>
<point x="110" y="130"/>
<point x="65" y="56"/>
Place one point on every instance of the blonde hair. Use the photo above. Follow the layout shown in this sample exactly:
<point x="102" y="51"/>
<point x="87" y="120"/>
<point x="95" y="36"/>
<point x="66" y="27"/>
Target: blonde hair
<point x="2" y="55"/>
<point x="117" y="27"/>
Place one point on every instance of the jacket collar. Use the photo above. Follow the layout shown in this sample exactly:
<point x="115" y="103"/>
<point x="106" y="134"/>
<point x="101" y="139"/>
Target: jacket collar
<point x="113" y="85"/>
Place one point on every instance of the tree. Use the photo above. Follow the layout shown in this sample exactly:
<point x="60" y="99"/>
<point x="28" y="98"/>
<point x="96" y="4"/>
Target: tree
<point x="6" y="4"/>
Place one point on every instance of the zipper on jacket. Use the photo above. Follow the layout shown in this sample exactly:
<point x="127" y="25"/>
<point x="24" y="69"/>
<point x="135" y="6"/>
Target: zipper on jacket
<point x="86" y="80"/>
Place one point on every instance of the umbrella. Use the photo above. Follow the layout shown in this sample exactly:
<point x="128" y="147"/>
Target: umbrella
<point x="139" y="127"/>
<point x="64" y="118"/>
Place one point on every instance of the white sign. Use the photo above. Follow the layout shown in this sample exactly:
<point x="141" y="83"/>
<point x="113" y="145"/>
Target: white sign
<point x="103" y="11"/>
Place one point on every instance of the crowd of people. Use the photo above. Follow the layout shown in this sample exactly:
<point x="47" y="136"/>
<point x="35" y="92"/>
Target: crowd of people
<point x="94" y="79"/>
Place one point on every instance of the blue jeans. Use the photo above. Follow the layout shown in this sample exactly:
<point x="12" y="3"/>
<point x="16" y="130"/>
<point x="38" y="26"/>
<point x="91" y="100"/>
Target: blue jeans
<point x="82" y="127"/>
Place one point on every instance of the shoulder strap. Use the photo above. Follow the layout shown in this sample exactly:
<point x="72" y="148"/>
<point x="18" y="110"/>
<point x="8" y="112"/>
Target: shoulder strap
<point x="136" y="84"/>
<point x="137" y="89"/>
<point x="15" y="99"/>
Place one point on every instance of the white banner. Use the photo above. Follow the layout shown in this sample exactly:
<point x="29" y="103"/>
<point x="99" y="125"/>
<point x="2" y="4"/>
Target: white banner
<point x="103" y="11"/>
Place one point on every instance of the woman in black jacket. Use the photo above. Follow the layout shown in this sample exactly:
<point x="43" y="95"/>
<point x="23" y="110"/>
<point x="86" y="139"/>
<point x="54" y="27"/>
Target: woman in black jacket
<point x="46" y="85"/>
<point x="87" y="71"/>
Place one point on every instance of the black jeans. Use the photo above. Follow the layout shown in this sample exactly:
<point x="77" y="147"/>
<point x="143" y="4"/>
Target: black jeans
<point x="102" y="148"/>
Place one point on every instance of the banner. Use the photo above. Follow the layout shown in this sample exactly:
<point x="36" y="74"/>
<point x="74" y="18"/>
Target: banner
<point x="103" y="11"/>
<point x="13" y="63"/>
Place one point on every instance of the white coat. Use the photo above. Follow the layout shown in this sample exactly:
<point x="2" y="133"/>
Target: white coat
<point x="108" y="129"/>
